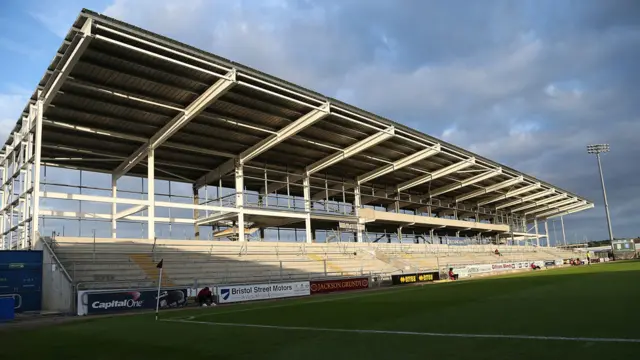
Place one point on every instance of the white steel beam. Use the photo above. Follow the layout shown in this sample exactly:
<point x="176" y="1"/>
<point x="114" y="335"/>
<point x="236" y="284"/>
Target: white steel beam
<point x="579" y="204"/>
<point x="76" y="53"/>
<point x="115" y="134"/>
<point x="300" y="124"/>
<point x="348" y="152"/>
<point x="216" y="174"/>
<point x="130" y="211"/>
<point x="216" y="217"/>
<point x="397" y="165"/>
<point x="305" y="121"/>
<point x="114" y="206"/>
<point x="540" y="202"/>
<point x="179" y="121"/>
<point x="567" y="212"/>
<point x="525" y="199"/>
<point x="466" y="182"/>
<point x="307" y="208"/>
<point x="239" y="174"/>
<point x="333" y="190"/>
<point x="510" y="194"/>
<point x="550" y="206"/>
<point x="151" y="195"/>
<point x="490" y="188"/>
<point x="293" y="178"/>
<point x="106" y="217"/>
<point x="37" y="148"/>
<point x="436" y="174"/>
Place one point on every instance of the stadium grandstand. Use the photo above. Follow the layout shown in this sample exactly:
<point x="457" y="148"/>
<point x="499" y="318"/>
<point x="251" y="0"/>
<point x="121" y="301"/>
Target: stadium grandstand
<point x="277" y="181"/>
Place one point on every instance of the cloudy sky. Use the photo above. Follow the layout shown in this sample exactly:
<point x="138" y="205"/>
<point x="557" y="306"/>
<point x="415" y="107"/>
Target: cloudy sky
<point x="528" y="83"/>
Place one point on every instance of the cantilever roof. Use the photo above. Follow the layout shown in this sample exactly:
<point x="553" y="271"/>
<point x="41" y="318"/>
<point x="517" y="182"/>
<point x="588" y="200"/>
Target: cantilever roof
<point x="128" y="83"/>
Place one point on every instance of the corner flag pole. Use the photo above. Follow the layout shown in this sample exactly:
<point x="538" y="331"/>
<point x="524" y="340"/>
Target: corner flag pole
<point x="159" y="266"/>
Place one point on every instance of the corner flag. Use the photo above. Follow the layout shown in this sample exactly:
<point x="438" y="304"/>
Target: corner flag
<point x="159" y="266"/>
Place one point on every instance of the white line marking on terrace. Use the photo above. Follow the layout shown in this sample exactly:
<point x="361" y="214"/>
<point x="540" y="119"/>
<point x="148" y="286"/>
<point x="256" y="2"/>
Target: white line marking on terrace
<point x="329" y="298"/>
<point x="414" y="333"/>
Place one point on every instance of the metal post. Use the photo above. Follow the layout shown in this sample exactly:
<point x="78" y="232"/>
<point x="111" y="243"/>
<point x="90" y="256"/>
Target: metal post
<point x="356" y="211"/>
<point x="555" y="235"/>
<point x="240" y="200"/>
<point x="36" y="172"/>
<point x="307" y="207"/>
<point x="597" y="149"/>
<point x="114" y="206"/>
<point x="151" y="213"/>
<point x="535" y="225"/>
<point x="266" y="188"/>
<point x="288" y="193"/>
<point x="546" y="233"/>
<point x="196" y="213"/>
<point x="564" y="237"/>
<point x="604" y="195"/>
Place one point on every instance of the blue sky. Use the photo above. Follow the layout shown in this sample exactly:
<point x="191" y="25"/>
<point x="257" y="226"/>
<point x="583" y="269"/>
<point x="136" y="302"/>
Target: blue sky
<point x="528" y="83"/>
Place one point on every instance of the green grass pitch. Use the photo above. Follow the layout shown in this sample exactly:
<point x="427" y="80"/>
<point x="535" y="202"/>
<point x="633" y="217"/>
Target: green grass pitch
<point x="599" y="302"/>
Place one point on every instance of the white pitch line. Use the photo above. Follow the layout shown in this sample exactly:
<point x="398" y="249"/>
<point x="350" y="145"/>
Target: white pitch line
<point x="329" y="298"/>
<point x="414" y="333"/>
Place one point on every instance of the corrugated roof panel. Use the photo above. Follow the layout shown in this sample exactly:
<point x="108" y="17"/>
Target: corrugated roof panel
<point x="243" y="113"/>
<point x="137" y="70"/>
<point x="104" y="77"/>
<point x="150" y="61"/>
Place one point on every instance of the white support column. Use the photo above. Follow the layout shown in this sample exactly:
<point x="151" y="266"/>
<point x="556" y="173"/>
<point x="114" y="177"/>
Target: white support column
<point x="546" y="233"/>
<point x="564" y="238"/>
<point x="357" y="205"/>
<point x="151" y="197"/>
<point x="114" y="206"/>
<point x="535" y="225"/>
<point x="35" y="233"/>
<point x="3" y="203"/>
<point x="306" y="183"/>
<point x="239" y="173"/>
<point x="196" y="212"/>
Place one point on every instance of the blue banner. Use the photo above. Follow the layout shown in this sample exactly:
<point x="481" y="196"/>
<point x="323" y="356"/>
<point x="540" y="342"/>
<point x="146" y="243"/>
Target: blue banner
<point x="21" y="278"/>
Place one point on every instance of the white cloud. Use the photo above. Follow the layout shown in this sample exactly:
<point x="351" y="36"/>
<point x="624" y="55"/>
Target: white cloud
<point x="11" y="105"/>
<point x="519" y="91"/>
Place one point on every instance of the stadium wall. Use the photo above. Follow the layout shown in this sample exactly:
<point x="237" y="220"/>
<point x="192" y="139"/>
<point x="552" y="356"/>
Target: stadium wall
<point x="57" y="285"/>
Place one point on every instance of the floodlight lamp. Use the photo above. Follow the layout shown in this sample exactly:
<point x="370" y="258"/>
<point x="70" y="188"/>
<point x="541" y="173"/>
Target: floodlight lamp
<point x="597" y="148"/>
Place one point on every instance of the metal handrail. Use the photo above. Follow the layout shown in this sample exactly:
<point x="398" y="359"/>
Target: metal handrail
<point x="55" y="258"/>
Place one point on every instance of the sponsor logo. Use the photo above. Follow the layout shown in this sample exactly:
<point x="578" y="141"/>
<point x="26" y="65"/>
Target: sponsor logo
<point x="115" y="304"/>
<point x="236" y="293"/>
<point x="414" y="278"/>
<point x="225" y="293"/>
<point x="133" y="300"/>
<point x="339" y="285"/>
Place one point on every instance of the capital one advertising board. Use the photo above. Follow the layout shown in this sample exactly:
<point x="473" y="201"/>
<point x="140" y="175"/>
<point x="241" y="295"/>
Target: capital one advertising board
<point x="127" y="300"/>
<point x="239" y="293"/>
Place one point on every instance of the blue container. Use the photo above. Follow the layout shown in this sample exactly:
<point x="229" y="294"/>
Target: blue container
<point x="7" y="311"/>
